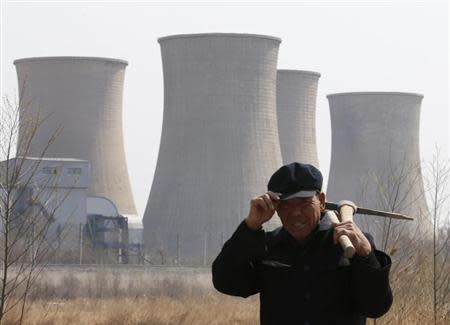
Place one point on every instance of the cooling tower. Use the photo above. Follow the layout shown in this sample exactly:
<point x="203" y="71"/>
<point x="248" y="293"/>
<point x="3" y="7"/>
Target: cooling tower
<point x="375" y="159"/>
<point x="219" y="142"/>
<point x="296" y="113"/>
<point x="83" y="96"/>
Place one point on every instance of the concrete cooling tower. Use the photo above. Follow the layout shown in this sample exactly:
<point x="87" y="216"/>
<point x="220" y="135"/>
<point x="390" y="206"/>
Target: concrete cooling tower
<point x="219" y="142"/>
<point x="83" y="96"/>
<point x="375" y="159"/>
<point x="296" y="113"/>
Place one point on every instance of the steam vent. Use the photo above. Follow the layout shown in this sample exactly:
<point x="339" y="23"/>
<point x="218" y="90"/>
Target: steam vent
<point x="375" y="159"/>
<point x="219" y="142"/>
<point x="296" y="113"/>
<point x="83" y="96"/>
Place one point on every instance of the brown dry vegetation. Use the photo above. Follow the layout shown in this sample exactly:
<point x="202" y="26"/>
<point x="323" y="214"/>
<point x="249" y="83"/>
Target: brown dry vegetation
<point x="208" y="309"/>
<point x="134" y="296"/>
<point x="160" y="296"/>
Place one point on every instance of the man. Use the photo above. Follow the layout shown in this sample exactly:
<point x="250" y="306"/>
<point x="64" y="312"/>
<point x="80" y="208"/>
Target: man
<point x="299" y="269"/>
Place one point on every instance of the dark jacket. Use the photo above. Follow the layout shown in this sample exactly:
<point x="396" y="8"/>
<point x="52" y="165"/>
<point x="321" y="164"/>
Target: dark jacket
<point x="310" y="283"/>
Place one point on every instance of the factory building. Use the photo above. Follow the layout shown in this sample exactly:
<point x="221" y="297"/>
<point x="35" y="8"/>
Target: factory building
<point x="296" y="113"/>
<point x="49" y="197"/>
<point x="219" y="142"/>
<point x="82" y="98"/>
<point x="48" y="192"/>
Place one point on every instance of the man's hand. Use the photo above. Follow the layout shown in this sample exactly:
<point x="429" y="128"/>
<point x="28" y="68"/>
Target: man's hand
<point x="359" y="241"/>
<point x="262" y="208"/>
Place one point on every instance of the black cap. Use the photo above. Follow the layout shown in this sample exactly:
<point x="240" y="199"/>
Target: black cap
<point x="296" y="180"/>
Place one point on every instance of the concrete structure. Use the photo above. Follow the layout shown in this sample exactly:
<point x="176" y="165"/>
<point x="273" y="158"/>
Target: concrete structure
<point x="83" y="96"/>
<point x="219" y="142"/>
<point x="375" y="159"/>
<point x="296" y="113"/>
<point x="99" y="205"/>
<point x="51" y="189"/>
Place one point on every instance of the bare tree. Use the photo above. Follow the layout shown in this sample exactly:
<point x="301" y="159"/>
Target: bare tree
<point x="27" y="211"/>
<point x="439" y="197"/>
<point x="420" y="251"/>
<point x="398" y="187"/>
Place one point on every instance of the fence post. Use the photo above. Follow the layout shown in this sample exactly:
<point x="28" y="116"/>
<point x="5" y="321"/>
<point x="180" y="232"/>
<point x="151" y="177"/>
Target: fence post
<point x="205" y="238"/>
<point x="178" y="248"/>
<point x="81" y="243"/>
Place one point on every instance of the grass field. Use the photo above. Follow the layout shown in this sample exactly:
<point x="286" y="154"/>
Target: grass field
<point x="210" y="309"/>
<point x="92" y="295"/>
<point x="158" y="295"/>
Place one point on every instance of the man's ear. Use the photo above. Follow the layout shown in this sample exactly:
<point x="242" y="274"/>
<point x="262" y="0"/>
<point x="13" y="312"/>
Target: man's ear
<point x="322" y="198"/>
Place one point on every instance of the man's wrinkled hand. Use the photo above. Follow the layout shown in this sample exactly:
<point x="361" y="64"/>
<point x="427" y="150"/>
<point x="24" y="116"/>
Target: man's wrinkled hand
<point x="262" y="208"/>
<point x="352" y="231"/>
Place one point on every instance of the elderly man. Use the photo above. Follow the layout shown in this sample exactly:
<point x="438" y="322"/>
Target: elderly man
<point x="299" y="269"/>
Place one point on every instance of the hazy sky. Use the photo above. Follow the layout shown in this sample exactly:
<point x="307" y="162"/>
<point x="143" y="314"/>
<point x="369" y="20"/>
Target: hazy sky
<point x="388" y="46"/>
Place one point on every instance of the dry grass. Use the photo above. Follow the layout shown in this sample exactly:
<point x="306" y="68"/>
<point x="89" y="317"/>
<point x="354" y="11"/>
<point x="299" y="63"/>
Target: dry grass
<point x="118" y="295"/>
<point x="160" y="296"/>
<point x="209" y="309"/>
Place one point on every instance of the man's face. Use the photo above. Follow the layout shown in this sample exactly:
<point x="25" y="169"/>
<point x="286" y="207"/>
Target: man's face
<point x="300" y="216"/>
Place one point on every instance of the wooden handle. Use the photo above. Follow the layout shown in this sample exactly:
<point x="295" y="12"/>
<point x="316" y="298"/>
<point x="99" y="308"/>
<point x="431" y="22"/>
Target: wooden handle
<point x="346" y="210"/>
<point x="346" y="213"/>
<point x="344" y="241"/>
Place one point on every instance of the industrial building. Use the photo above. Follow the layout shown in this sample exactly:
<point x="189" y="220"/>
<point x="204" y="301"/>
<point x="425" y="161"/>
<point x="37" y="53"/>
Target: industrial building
<point x="219" y="142"/>
<point x="53" y="192"/>
<point x="81" y="96"/>
<point x="75" y="105"/>
<point x="230" y="120"/>
<point x="48" y="192"/>
<point x="375" y="159"/>
<point x="296" y="114"/>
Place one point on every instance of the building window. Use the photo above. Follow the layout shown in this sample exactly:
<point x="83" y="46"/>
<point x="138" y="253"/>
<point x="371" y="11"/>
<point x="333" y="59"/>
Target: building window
<point x="49" y="170"/>
<point x="74" y="171"/>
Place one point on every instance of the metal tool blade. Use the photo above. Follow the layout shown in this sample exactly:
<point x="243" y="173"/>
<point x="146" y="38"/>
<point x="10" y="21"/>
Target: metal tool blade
<point x="360" y="210"/>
